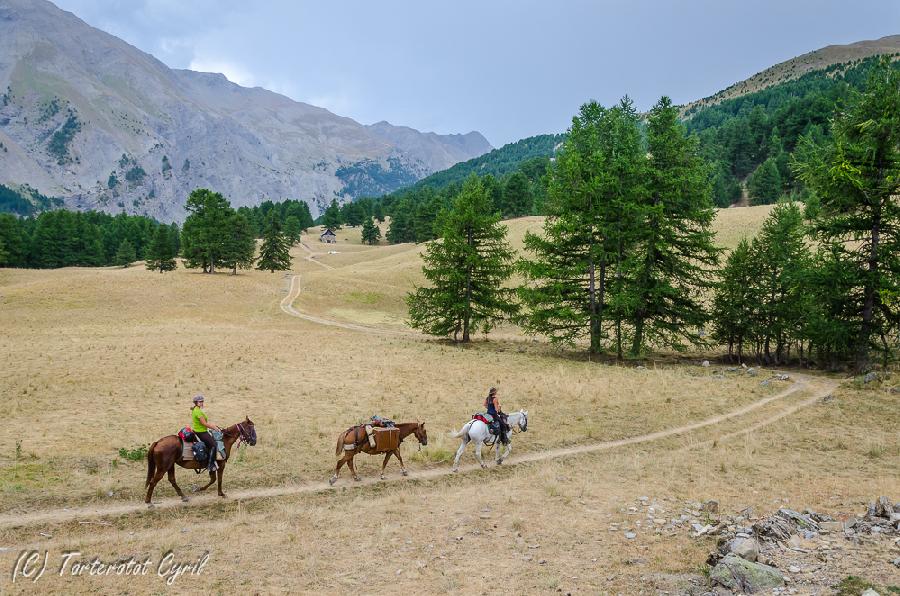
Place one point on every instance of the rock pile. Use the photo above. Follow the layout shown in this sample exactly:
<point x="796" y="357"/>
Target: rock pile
<point x="751" y="554"/>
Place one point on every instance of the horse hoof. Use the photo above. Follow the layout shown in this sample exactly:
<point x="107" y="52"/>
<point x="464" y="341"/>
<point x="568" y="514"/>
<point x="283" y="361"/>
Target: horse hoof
<point x="150" y="505"/>
<point x="404" y="472"/>
<point x="184" y="499"/>
<point x="357" y="478"/>
<point x="332" y="480"/>
<point x="223" y="495"/>
<point x="455" y="470"/>
<point x="483" y="467"/>
<point x="499" y="462"/>
<point x="382" y="476"/>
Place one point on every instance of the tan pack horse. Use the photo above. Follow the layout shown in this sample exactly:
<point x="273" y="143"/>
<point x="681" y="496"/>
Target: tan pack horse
<point x="166" y="452"/>
<point x="354" y="440"/>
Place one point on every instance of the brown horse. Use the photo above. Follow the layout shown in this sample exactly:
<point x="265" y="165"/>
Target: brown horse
<point x="354" y="440"/>
<point x="166" y="452"/>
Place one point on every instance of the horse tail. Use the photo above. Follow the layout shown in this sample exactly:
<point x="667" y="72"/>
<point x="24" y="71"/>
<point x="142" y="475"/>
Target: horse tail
<point x="340" y="444"/>
<point x="151" y="463"/>
<point x="463" y="430"/>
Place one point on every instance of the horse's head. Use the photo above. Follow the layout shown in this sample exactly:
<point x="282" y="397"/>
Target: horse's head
<point x="523" y="420"/>
<point x="420" y="433"/>
<point x="248" y="431"/>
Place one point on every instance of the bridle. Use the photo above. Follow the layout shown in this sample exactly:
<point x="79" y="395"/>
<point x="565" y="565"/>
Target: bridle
<point x="243" y="436"/>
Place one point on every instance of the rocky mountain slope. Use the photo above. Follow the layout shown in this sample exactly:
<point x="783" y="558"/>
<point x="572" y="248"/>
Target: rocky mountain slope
<point x="87" y="117"/>
<point x="797" y="67"/>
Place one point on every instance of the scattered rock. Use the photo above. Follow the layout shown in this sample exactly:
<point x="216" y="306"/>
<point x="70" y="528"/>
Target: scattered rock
<point x="745" y="576"/>
<point x="710" y="506"/>
<point x="830" y="526"/>
<point x="870" y="377"/>
<point x="794" y="569"/>
<point x="884" y="507"/>
<point x="630" y="535"/>
<point x="764" y="383"/>
<point x="752" y="372"/>
<point x="705" y="363"/>
<point x="745" y="548"/>
<point x="782" y="377"/>
<point x="870" y="592"/>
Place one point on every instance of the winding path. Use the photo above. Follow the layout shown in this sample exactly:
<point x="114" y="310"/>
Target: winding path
<point x="287" y="305"/>
<point x="819" y="388"/>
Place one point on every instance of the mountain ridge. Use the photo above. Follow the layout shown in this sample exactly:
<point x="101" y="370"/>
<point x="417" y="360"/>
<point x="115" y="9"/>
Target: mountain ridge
<point x="794" y="68"/>
<point x="91" y="119"/>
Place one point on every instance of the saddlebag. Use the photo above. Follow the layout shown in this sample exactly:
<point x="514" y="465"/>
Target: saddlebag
<point x="386" y="439"/>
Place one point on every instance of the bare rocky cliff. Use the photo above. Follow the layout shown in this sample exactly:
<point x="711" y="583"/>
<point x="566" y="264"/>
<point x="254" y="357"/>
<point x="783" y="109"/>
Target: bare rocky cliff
<point x="86" y="117"/>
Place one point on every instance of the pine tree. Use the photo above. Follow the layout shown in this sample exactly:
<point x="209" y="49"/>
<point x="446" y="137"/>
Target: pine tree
<point x="426" y="213"/>
<point x="292" y="229"/>
<point x="205" y="229"/>
<point x="467" y="269"/>
<point x="517" y="196"/>
<point x="160" y="256"/>
<point x="378" y="212"/>
<point x="125" y="255"/>
<point x="593" y="192"/>
<point x="779" y="259"/>
<point x="354" y="214"/>
<point x="734" y="301"/>
<point x="175" y="237"/>
<point x="14" y="239"/>
<point x="4" y="255"/>
<point x="764" y="185"/>
<point x="371" y="233"/>
<point x="274" y="253"/>
<point x="856" y="176"/>
<point x="669" y="269"/>
<point x="331" y="219"/>
<point x="239" y="245"/>
<point x="401" y="227"/>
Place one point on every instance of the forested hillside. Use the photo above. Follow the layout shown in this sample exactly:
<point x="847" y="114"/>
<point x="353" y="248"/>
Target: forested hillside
<point x="751" y="138"/>
<point x="497" y="163"/>
<point x="747" y="142"/>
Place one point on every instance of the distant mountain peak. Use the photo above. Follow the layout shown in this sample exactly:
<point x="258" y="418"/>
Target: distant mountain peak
<point x="89" y="118"/>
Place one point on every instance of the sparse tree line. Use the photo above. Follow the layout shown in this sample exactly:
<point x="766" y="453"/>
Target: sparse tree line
<point x="626" y="261"/>
<point x="214" y="236"/>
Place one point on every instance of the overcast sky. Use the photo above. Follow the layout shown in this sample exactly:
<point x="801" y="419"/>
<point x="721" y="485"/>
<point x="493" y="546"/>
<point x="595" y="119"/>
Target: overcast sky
<point x="507" y="68"/>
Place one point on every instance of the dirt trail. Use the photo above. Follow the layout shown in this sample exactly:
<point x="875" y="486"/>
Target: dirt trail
<point x="311" y="257"/>
<point x="287" y="305"/>
<point x="818" y="387"/>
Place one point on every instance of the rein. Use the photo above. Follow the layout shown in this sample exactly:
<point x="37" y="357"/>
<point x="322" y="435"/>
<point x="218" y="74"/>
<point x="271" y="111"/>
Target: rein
<point x="240" y="439"/>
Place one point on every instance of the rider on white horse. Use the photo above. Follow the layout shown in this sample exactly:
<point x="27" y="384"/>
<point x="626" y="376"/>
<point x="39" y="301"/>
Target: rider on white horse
<point x="492" y="405"/>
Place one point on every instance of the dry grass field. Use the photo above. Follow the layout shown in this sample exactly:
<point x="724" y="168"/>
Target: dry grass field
<point x="94" y="360"/>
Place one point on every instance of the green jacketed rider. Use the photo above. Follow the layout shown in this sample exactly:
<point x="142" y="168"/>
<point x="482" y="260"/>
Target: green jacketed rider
<point x="200" y="424"/>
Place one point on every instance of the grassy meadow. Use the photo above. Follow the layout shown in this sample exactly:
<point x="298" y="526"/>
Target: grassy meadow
<point x="97" y="360"/>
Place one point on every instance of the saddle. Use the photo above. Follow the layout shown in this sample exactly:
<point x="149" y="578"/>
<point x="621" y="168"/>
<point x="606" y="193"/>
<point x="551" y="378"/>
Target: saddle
<point x="483" y="417"/>
<point x="492" y="423"/>
<point x="189" y="439"/>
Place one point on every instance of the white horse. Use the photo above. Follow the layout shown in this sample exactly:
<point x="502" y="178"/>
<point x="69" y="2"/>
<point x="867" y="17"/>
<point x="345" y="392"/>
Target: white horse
<point x="478" y="431"/>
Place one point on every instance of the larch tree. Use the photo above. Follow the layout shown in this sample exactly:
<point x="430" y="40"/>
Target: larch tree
<point x="856" y="177"/>
<point x="670" y="267"/>
<point x="467" y="268"/>
<point x="593" y="193"/>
